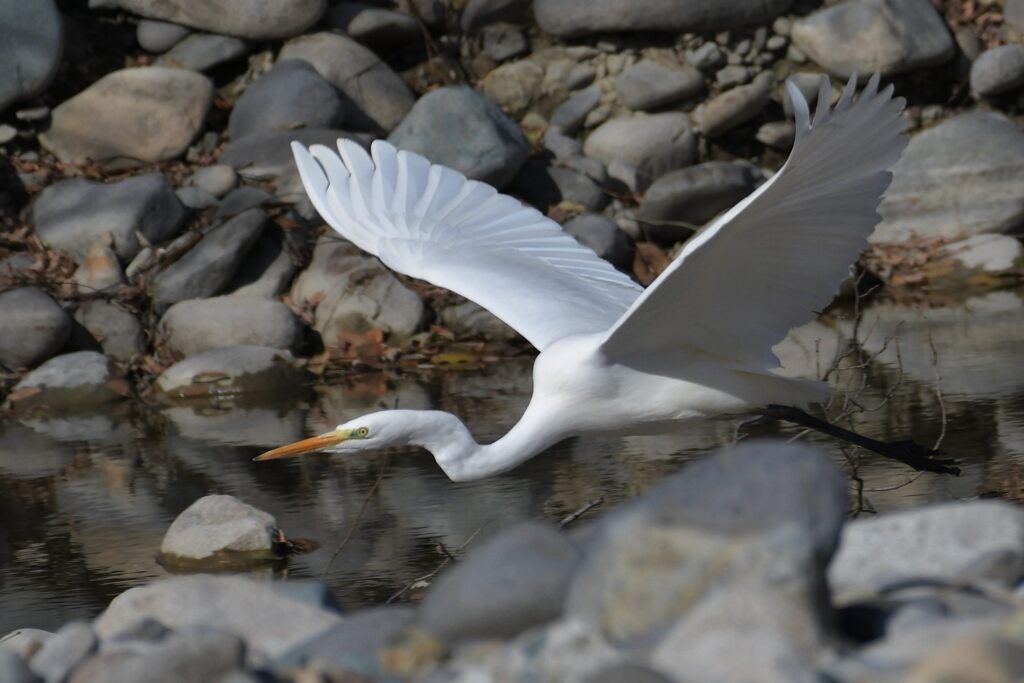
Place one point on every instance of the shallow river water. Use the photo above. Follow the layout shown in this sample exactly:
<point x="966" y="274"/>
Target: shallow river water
<point x="85" y="499"/>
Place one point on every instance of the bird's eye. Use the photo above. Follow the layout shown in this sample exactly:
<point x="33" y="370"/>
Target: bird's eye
<point x="362" y="432"/>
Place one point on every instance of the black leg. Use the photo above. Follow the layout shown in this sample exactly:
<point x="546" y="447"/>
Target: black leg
<point x="908" y="452"/>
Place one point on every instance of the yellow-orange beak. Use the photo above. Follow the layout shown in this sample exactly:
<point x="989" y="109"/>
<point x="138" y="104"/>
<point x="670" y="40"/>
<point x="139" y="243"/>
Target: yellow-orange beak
<point x="314" y="443"/>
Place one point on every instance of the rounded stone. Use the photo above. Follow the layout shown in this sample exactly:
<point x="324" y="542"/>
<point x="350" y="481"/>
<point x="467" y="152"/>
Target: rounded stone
<point x="571" y="18"/>
<point x="217" y="524"/>
<point x="31" y="46"/>
<point x="118" y="331"/>
<point x="255" y="19"/>
<point x="652" y="143"/>
<point x="291" y="95"/>
<point x="197" y="325"/>
<point x="159" y="36"/>
<point x="35" y="327"/>
<point x="238" y="370"/>
<point x="217" y="180"/>
<point x="82" y="380"/>
<point x="998" y="70"/>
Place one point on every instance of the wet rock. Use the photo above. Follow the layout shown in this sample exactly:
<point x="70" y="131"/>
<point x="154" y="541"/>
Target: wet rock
<point x="733" y="108"/>
<point x="939" y="542"/>
<point x="267" y="270"/>
<point x="35" y="327"/>
<point x="291" y="95"/>
<point x="544" y="185"/>
<point x="480" y="13"/>
<point x="73" y="215"/>
<point x="354" y="294"/>
<point x="694" y="195"/>
<point x="352" y="645"/>
<point x="957" y="179"/>
<point x="864" y="36"/>
<point x="516" y="580"/>
<point x="242" y="18"/>
<point x="13" y="668"/>
<point x="217" y="524"/>
<point x="24" y="642"/>
<point x="570" y="115"/>
<point x="378" y="99"/>
<point x="458" y="127"/>
<point x="64" y="651"/>
<point x="145" y="114"/>
<point x="653" y="143"/>
<point x="159" y="36"/>
<point x="198" y="325"/>
<point x="375" y="27"/>
<point x="469" y="320"/>
<point x="99" y="270"/>
<point x="570" y="18"/>
<point x="73" y="381"/>
<point x="197" y="654"/>
<point x="118" y="331"/>
<point x="502" y="42"/>
<point x="31" y="45"/>
<point x="217" y="180"/>
<point x="513" y="86"/>
<point x="987" y="253"/>
<point x="270" y="623"/>
<point x="250" y="370"/>
<point x="998" y="70"/>
<point x="604" y="237"/>
<point x="211" y="264"/>
<point x="777" y="135"/>
<point x="649" y="84"/>
<point x="203" y="51"/>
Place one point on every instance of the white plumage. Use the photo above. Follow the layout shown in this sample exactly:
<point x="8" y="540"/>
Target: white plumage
<point x="616" y="358"/>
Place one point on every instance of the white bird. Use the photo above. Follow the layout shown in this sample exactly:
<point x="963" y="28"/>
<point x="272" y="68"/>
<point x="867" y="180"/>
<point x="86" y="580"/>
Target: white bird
<point x="615" y="358"/>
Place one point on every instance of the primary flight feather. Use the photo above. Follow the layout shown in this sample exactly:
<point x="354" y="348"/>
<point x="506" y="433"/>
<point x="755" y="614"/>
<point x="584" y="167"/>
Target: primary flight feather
<point x="616" y="358"/>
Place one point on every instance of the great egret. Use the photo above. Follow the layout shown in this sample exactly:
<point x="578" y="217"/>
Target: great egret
<point x="615" y="358"/>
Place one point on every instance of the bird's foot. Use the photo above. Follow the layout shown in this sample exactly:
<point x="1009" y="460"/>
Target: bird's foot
<point x="919" y="457"/>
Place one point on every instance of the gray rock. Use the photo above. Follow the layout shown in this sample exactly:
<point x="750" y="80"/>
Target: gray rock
<point x="777" y="135"/>
<point x="253" y="371"/>
<point x="266" y="272"/>
<point x="197" y="654"/>
<point x="270" y="623"/>
<point x="13" y="668"/>
<point x="649" y="84"/>
<point x="211" y="264"/>
<point x="653" y="143"/>
<point x="958" y="179"/>
<point x="376" y="27"/>
<point x="694" y="196"/>
<point x="561" y="145"/>
<point x="514" y="581"/>
<point x="580" y="76"/>
<point x="198" y="325"/>
<point x="570" y="18"/>
<point x="998" y="70"/>
<point x="269" y="155"/>
<point x="217" y="180"/>
<point x="352" y="645"/>
<point x="291" y="95"/>
<point x="73" y="215"/>
<point x="1013" y="14"/>
<point x="732" y="108"/>
<point x="513" y="86"/>
<point x="64" y="651"/>
<point x="471" y="321"/>
<point x="24" y="642"/>
<point x="502" y="42"/>
<point x="569" y="115"/>
<point x="242" y="199"/>
<point x="242" y="18"/>
<point x="604" y="237"/>
<point x="987" y="253"/>
<point x="196" y="199"/>
<point x="31" y="46"/>
<point x="458" y="127"/>
<point x="216" y="524"/>
<point x="634" y="673"/>
<point x="864" y="36"/>
<point x="938" y="542"/>
<point x="202" y="51"/>
<point x="545" y="186"/>
<point x="480" y="13"/>
<point x="81" y="380"/>
<point x="378" y="98"/>
<point x="353" y="294"/>
<point x="35" y="327"/>
<point x="731" y="76"/>
<point x="146" y="114"/>
<point x="708" y="57"/>
<point x="118" y="332"/>
<point x="159" y="36"/>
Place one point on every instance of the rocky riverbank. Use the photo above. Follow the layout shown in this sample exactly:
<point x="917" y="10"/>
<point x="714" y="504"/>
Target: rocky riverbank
<point x="152" y="226"/>
<point x="742" y="567"/>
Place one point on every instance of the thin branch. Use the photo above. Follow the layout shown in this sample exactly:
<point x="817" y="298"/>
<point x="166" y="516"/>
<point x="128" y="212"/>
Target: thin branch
<point x="566" y="521"/>
<point x="359" y="516"/>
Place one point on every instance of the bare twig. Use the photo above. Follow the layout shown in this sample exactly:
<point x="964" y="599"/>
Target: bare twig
<point x="569" y="519"/>
<point x="359" y="516"/>
<point x="426" y="577"/>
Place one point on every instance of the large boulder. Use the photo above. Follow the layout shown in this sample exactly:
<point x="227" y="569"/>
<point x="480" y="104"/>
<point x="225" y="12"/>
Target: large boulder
<point x="35" y="327"/>
<point x="144" y="114"/>
<point x="31" y="45"/>
<point x="255" y="19"/>
<point x="82" y="380"/>
<point x="219" y="525"/>
<point x="253" y="371"/>
<point x="291" y="95"/>
<point x="197" y="325"/>
<point x="570" y="18"/>
<point x="998" y="70"/>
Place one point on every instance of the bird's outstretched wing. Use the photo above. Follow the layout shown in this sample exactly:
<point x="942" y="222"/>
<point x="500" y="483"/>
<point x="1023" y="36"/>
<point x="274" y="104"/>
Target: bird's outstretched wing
<point x="432" y="223"/>
<point x="777" y="257"/>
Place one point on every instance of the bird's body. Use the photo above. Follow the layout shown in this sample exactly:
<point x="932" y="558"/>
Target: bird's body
<point x="615" y="358"/>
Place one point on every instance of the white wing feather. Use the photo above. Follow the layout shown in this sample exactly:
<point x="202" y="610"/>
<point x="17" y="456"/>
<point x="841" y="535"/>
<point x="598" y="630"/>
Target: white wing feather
<point x="776" y="258"/>
<point x="432" y="223"/>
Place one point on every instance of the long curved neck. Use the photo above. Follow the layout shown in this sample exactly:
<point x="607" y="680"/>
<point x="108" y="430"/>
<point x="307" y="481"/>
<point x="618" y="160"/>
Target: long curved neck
<point x="463" y="459"/>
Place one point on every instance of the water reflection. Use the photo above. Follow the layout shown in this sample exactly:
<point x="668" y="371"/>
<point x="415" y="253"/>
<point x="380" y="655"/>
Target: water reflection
<point x="87" y="498"/>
